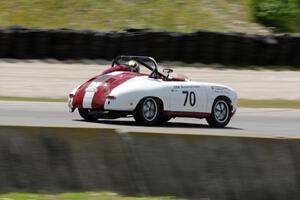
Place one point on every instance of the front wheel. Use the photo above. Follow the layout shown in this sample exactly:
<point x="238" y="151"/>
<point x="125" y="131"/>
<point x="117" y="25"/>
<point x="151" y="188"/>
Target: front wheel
<point x="165" y="119"/>
<point x="148" y="112"/>
<point x="85" y="114"/>
<point x="220" y="113"/>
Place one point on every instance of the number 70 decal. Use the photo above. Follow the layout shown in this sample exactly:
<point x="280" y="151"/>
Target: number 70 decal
<point x="189" y="96"/>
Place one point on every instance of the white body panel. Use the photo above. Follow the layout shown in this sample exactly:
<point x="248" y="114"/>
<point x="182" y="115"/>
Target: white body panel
<point x="176" y="95"/>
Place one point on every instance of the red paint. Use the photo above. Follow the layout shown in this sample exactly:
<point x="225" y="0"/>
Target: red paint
<point x="79" y="95"/>
<point x="115" y="69"/>
<point x="178" y="77"/>
<point x="105" y="89"/>
<point x="186" y="114"/>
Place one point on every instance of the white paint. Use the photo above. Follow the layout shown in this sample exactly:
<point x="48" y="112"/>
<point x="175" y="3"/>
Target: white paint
<point x="129" y="94"/>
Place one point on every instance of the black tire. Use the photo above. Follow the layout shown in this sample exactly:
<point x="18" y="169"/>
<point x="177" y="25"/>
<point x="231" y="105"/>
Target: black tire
<point x="220" y="113"/>
<point x="148" y="112"/>
<point x="84" y="113"/>
<point x="164" y="119"/>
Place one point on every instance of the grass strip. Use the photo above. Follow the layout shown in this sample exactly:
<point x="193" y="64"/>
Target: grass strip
<point x="36" y="99"/>
<point x="78" y="196"/>
<point x="269" y="103"/>
<point x="252" y="103"/>
<point x="182" y="16"/>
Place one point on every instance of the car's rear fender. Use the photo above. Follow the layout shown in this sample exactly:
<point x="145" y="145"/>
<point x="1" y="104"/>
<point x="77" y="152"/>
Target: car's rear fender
<point x="130" y="100"/>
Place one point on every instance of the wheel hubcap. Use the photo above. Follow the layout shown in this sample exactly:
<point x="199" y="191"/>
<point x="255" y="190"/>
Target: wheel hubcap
<point x="221" y="111"/>
<point x="149" y="109"/>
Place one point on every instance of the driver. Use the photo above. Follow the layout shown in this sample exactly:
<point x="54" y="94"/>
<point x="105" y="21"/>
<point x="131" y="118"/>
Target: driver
<point x="134" y="66"/>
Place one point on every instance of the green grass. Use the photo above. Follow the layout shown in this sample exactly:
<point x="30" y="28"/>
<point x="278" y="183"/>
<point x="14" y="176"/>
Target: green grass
<point x="282" y="15"/>
<point x="76" y="196"/>
<point x="36" y="99"/>
<point x="269" y="103"/>
<point x="252" y="103"/>
<point x="172" y="15"/>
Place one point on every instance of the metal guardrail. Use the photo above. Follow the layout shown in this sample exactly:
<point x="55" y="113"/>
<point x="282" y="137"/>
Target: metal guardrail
<point x="200" y="46"/>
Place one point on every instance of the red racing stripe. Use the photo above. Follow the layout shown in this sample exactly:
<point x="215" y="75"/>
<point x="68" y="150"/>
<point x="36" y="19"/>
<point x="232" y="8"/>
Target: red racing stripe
<point x="79" y="95"/>
<point x="105" y="89"/>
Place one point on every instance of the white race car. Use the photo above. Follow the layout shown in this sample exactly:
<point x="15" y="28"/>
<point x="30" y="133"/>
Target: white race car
<point x="151" y="98"/>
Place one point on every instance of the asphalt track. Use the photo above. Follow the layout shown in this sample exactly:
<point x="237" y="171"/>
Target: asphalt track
<point x="246" y="122"/>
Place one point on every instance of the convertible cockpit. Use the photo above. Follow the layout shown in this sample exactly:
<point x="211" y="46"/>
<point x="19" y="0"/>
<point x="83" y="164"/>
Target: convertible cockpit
<point x="121" y="63"/>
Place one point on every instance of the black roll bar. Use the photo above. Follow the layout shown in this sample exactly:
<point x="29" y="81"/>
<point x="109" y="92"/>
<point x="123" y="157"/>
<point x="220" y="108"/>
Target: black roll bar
<point x="141" y="60"/>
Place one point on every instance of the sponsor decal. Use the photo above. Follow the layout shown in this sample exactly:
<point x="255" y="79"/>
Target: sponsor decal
<point x="220" y="90"/>
<point x="186" y="87"/>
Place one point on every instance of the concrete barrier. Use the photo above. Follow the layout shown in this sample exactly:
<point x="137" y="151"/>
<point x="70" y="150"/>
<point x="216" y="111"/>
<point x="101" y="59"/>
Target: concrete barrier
<point x="37" y="159"/>
<point x="216" y="167"/>
<point x="46" y="159"/>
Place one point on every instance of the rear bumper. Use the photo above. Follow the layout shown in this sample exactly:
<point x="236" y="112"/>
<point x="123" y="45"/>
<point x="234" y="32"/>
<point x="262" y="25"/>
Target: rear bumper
<point x="108" y="114"/>
<point x="70" y="104"/>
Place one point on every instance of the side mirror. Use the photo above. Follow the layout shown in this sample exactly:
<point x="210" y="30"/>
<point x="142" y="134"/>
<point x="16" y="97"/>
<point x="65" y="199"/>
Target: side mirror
<point x="167" y="70"/>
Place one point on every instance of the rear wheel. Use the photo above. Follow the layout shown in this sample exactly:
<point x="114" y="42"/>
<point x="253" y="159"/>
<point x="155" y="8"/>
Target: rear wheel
<point x="85" y="114"/>
<point x="220" y="113"/>
<point x="148" y="111"/>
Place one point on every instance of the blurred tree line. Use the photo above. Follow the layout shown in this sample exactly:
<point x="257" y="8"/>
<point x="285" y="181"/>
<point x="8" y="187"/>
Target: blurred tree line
<point x="282" y="15"/>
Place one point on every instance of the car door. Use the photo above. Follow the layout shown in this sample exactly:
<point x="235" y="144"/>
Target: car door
<point x="188" y="97"/>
